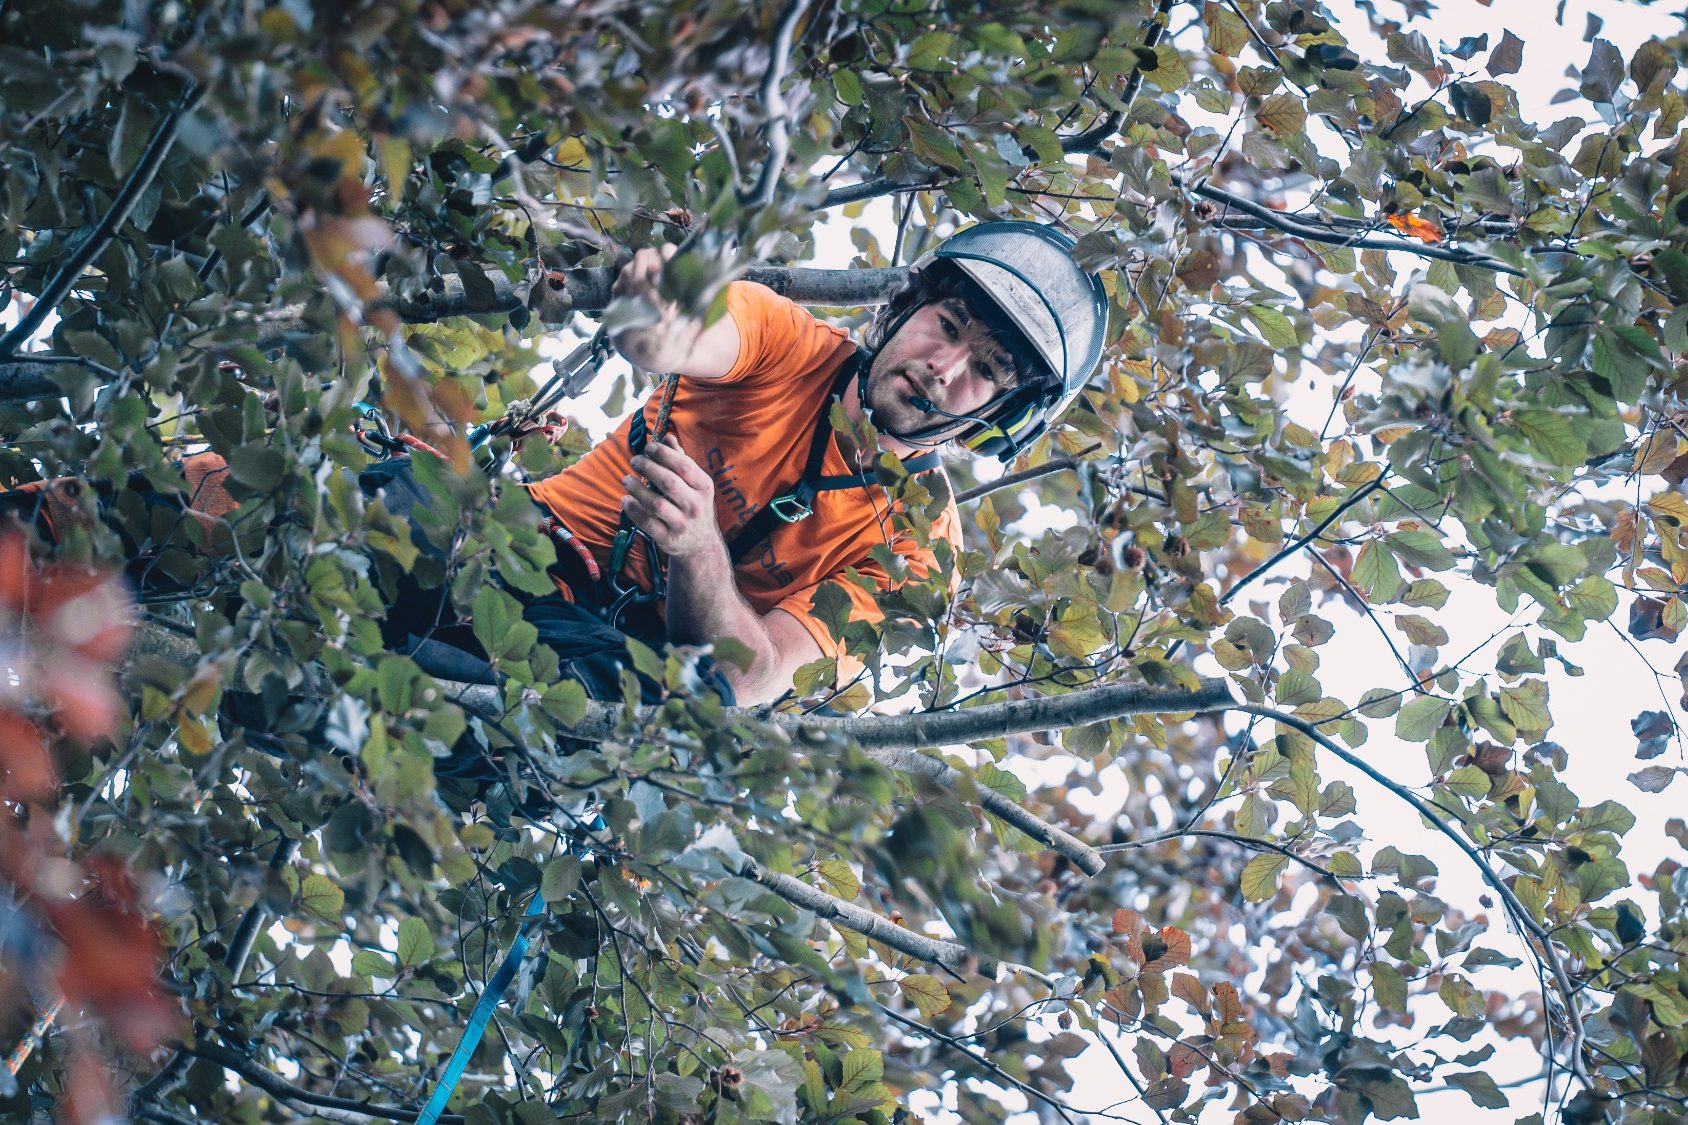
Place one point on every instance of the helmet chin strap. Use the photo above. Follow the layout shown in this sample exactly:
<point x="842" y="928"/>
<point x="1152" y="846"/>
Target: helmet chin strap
<point x="926" y="437"/>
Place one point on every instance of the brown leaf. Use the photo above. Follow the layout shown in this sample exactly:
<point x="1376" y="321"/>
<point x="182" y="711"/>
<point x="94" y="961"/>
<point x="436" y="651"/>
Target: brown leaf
<point x="1647" y="622"/>
<point x="1166" y="950"/>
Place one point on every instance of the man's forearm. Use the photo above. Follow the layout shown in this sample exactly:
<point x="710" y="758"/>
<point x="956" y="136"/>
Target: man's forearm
<point x="704" y="604"/>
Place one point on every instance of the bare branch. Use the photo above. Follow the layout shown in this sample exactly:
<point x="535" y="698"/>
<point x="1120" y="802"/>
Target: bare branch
<point x="1235" y="838"/>
<point x="588" y="291"/>
<point x="1024" y="475"/>
<point x="31" y="376"/>
<point x="139" y="179"/>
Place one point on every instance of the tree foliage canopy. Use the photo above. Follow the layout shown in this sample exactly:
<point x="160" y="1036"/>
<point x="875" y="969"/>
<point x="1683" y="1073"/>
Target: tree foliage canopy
<point x="224" y="226"/>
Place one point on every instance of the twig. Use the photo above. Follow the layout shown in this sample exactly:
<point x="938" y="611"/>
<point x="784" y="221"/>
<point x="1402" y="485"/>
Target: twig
<point x="1359" y="494"/>
<point x="1096" y="134"/>
<point x="1057" y="465"/>
<point x="1260" y="41"/>
<point x="1329" y="235"/>
<point x="139" y="179"/>
<point x="954" y="957"/>
<point x="956" y="1045"/>
<point x="1243" y="841"/>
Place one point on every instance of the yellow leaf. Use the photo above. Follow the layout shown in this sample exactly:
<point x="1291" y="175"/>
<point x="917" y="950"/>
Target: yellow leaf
<point x="1260" y="876"/>
<point x="926" y="993"/>
<point x="321" y="898"/>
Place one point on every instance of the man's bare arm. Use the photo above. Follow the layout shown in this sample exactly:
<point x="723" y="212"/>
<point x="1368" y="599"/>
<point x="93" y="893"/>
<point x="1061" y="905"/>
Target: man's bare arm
<point x="674" y="342"/>
<point x="677" y="510"/>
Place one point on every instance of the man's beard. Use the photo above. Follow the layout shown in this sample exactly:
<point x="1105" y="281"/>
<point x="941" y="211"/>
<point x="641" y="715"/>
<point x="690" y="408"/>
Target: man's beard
<point x="888" y="402"/>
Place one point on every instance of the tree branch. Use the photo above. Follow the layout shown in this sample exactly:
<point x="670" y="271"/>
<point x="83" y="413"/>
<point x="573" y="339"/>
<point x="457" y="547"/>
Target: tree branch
<point x="892" y="740"/>
<point x="1091" y="138"/>
<point x="1240" y="840"/>
<point x="777" y="114"/>
<point x="982" y="1059"/>
<point x="1072" y="145"/>
<point x="1331" y="235"/>
<point x="139" y="179"/>
<point x="30" y="377"/>
<point x="949" y="955"/>
<point x="278" y="1087"/>
<point x="588" y="291"/>
<point x="1024" y="475"/>
<point x="1535" y="934"/>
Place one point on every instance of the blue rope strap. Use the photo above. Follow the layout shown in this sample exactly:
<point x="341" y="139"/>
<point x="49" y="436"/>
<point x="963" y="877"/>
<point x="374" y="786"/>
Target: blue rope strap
<point x="490" y="998"/>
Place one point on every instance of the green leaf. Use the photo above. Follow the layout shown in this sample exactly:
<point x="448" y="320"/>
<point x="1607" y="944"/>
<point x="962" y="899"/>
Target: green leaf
<point x="416" y="944"/>
<point x="1481" y="1087"/>
<point x="1469" y="782"/>
<point x="1284" y="115"/>
<point x="1421" y="548"/>
<point x="1552" y="437"/>
<point x="1389" y="986"/>
<point x="1526" y="705"/>
<point x="1421" y="717"/>
<point x="1376" y="574"/>
<point x="1421" y="630"/>
<point x="861" y="1068"/>
<point x="926" y="993"/>
<point x="561" y="878"/>
<point x="320" y="897"/>
<point x="370" y="963"/>
<point x="1425" y="593"/>
<point x="1260" y="876"/>
<point x="1274" y="326"/>
<point x="999" y="780"/>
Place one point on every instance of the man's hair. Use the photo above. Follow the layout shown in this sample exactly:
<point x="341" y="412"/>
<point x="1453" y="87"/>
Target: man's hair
<point x="937" y="284"/>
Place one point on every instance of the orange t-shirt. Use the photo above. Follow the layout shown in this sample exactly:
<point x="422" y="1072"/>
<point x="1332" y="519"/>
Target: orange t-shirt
<point x="751" y="430"/>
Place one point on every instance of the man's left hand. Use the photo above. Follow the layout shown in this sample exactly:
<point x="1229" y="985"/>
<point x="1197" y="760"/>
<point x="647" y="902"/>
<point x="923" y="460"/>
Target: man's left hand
<point x="677" y="507"/>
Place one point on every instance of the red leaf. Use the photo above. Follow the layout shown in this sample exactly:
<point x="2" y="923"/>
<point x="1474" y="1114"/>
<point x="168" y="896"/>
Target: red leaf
<point x="30" y="770"/>
<point x="112" y="956"/>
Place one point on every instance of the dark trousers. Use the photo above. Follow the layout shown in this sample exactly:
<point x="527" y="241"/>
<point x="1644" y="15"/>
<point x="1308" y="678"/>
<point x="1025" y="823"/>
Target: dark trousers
<point x="425" y="626"/>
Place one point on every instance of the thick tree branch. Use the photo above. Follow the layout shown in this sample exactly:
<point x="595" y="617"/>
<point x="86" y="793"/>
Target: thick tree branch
<point x="892" y="740"/>
<point x="1535" y="934"/>
<point x="32" y="376"/>
<point x="139" y="179"/>
<point x="588" y="291"/>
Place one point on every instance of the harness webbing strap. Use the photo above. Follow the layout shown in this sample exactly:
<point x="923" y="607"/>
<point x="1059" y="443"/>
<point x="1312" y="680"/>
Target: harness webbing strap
<point x="798" y="501"/>
<point x="490" y="998"/>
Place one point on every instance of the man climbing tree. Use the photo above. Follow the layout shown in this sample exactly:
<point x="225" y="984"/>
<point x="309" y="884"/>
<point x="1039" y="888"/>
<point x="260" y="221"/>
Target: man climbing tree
<point x="1206" y="760"/>
<point x="734" y="479"/>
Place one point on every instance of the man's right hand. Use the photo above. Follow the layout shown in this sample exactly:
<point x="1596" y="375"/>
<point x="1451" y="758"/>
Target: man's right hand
<point x="668" y="340"/>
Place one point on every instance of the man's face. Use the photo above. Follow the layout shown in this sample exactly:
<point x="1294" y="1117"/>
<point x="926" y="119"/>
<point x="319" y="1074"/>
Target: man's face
<point x="943" y="353"/>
